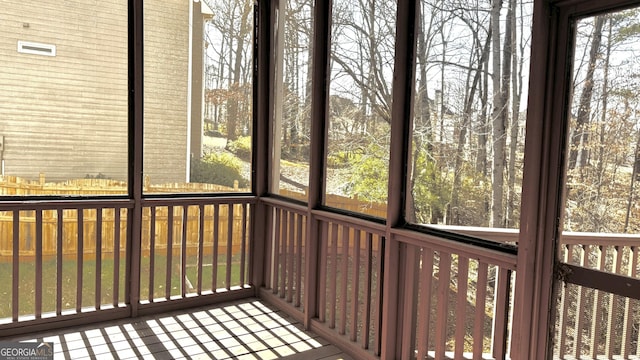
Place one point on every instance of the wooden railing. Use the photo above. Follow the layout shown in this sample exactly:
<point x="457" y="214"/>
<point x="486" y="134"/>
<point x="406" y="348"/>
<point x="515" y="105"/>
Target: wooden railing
<point x="67" y="219"/>
<point x="67" y="258"/>
<point x="46" y="282"/>
<point x="594" y="324"/>
<point x="113" y="224"/>
<point x="75" y="261"/>
<point x="350" y="277"/>
<point x="193" y="249"/>
<point x="456" y="299"/>
<point x="285" y="245"/>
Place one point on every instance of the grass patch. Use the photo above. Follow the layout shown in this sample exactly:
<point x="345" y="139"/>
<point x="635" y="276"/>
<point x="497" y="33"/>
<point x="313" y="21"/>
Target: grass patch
<point x="69" y="283"/>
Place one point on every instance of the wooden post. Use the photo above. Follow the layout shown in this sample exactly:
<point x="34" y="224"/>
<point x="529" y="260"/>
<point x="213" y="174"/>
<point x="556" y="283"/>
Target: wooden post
<point x="401" y="125"/>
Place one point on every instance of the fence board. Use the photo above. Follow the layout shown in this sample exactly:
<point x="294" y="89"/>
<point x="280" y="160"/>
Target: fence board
<point x="69" y="225"/>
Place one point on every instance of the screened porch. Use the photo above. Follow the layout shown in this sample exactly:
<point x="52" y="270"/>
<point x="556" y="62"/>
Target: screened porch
<point x="403" y="179"/>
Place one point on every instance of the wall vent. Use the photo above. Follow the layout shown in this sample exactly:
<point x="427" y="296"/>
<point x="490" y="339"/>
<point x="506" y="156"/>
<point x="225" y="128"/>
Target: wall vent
<point x="36" y="48"/>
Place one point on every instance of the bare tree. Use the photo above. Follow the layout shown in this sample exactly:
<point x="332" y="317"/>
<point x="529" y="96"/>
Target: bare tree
<point x="580" y="137"/>
<point x="498" y="122"/>
<point x="243" y="32"/>
<point x="228" y="58"/>
<point x="480" y="54"/>
<point x="516" y="83"/>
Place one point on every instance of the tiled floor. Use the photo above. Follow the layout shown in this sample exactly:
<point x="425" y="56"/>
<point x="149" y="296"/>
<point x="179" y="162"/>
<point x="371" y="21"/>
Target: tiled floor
<point x="247" y="329"/>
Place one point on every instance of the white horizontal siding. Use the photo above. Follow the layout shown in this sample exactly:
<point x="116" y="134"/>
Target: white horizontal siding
<point x="66" y="116"/>
<point x="166" y="57"/>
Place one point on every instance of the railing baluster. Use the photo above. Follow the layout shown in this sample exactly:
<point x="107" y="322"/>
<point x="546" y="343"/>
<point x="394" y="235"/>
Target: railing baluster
<point x="563" y="321"/>
<point x="38" y="289"/>
<point x="152" y="252"/>
<point x="501" y="313"/>
<point x="323" y="266"/>
<point x="461" y="306"/>
<point x="577" y="349"/>
<point x="284" y="240"/>
<point x="299" y="251"/>
<point x="15" y="301"/>
<point x="116" y="256"/>
<point x="276" y="251"/>
<point x="183" y="252"/>
<point x="638" y="343"/>
<point x="598" y="298"/>
<point x="629" y="304"/>
<point x="613" y="307"/>
<point x="98" y="277"/>
<point x="291" y="256"/>
<point x="80" y="259"/>
<point x="243" y="246"/>
<point x="424" y="304"/>
<point x="444" y="276"/>
<point x="355" y="286"/>
<point x="216" y="235"/>
<point x="59" y="253"/>
<point x="409" y="294"/>
<point x="333" y="275"/>
<point x="200" y="246"/>
<point x="344" y="279"/>
<point x="229" y="245"/>
<point x="481" y="299"/>
<point x="168" y="270"/>
<point x="377" y="313"/>
<point x="368" y="261"/>
<point x="130" y="285"/>
<point x="268" y="248"/>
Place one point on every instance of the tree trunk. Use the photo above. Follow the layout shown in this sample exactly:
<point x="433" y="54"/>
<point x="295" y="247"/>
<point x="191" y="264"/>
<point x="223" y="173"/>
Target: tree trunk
<point x="294" y="99"/>
<point x="483" y="125"/>
<point x="580" y="137"/>
<point x="634" y="175"/>
<point x="233" y="103"/>
<point x="497" y="208"/>
<point x="600" y="168"/>
<point x="306" y="124"/>
<point x="439" y="100"/>
<point x="422" y="132"/>
<point x="516" y="84"/>
<point x="462" y="135"/>
<point x="371" y="81"/>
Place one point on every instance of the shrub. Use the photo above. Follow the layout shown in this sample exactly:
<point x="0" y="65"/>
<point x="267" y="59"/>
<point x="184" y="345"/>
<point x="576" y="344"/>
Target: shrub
<point x="368" y="179"/>
<point x="342" y="159"/>
<point x="217" y="168"/>
<point x="241" y="147"/>
<point x="97" y="176"/>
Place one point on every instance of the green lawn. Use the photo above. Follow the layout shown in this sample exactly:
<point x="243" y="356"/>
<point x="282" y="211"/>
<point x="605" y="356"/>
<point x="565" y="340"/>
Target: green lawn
<point x="27" y="281"/>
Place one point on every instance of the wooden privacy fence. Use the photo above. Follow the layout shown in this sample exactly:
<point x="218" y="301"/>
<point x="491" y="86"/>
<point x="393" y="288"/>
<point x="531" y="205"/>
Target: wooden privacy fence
<point x="69" y="224"/>
<point x="345" y="203"/>
<point x="16" y="186"/>
<point x="592" y="323"/>
<point x="224" y="224"/>
<point x="214" y="217"/>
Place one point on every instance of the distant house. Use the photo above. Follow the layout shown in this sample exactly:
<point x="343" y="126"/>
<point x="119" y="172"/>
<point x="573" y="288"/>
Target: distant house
<point x="64" y="88"/>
